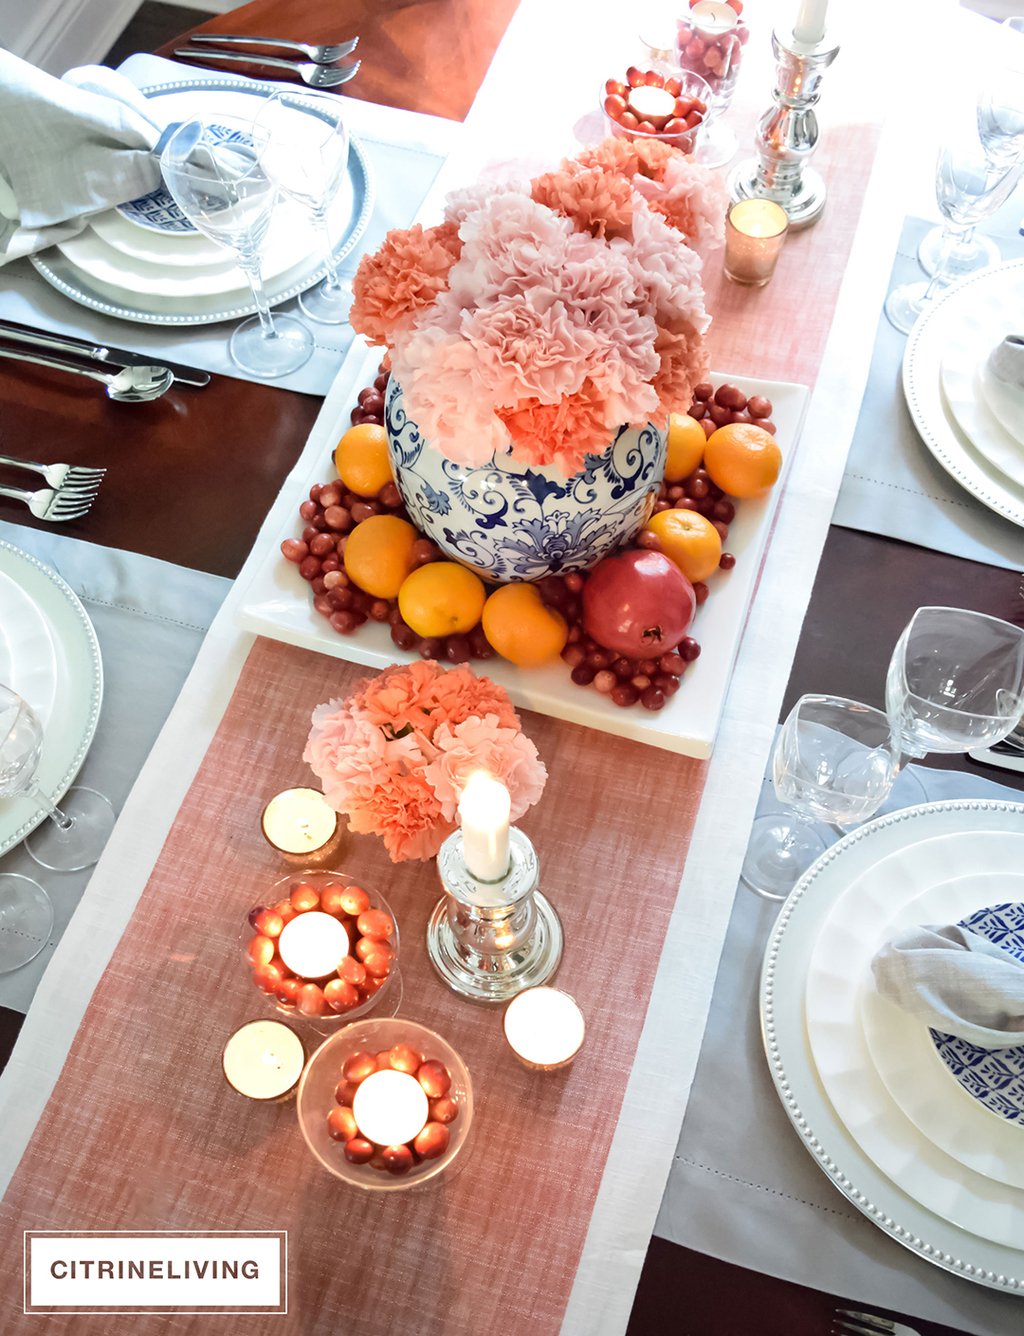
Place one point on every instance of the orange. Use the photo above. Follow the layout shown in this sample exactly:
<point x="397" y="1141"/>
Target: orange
<point x="743" y="459"/>
<point x="688" y="539"/>
<point x="441" y="599"/>
<point x="378" y="554"/>
<point x="520" y="626"/>
<point x="685" y="446"/>
<point x="362" y="460"/>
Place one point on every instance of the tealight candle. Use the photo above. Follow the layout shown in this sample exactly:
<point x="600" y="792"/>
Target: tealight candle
<point x="485" y="810"/>
<point x="754" y="232"/>
<point x="544" y="1028"/>
<point x="713" y="17"/>
<point x="390" y="1108"/>
<point x="654" y="105"/>
<point x="300" y="824"/>
<point x="264" y="1060"/>
<point x="312" y="944"/>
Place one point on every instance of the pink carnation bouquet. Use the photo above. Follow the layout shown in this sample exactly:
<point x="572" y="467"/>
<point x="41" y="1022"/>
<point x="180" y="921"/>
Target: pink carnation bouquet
<point x="395" y="756"/>
<point x="540" y="316"/>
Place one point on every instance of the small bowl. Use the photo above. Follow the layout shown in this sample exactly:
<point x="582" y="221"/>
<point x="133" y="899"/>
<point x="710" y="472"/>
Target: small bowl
<point x="316" y="1099"/>
<point x="691" y="86"/>
<point x="385" y="1000"/>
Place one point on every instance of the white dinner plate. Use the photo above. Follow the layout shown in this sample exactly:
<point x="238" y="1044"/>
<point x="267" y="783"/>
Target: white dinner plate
<point x="28" y="662"/>
<point x="783" y="986"/>
<point x="182" y="252"/>
<point x="922" y="385"/>
<point x="276" y="602"/>
<point x="938" y="881"/>
<point x="962" y="386"/>
<point x="919" y="1081"/>
<point x="78" y="682"/>
<point x="1005" y="401"/>
<point x="130" y="297"/>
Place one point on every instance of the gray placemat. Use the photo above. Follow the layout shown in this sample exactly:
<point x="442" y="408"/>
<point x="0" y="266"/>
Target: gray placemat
<point x="892" y="485"/>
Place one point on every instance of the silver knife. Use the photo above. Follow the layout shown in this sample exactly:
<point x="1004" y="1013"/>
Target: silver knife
<point x="99" y="352"/>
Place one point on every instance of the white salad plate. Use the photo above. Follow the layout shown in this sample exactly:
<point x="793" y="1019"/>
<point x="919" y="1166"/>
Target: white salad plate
<point x="963" y="389"/>
<point x="62" y="678"/>
<point x="276" y="602"/>
<point x="1005" y="401"/>
<point x="791" y="1061"/>
<point x="126" y="290"/>
<point x="950" y="876"/>
<point x="965" y="301"/>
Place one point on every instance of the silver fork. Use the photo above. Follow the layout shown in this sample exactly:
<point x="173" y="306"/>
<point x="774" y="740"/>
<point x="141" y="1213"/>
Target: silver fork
<point x="868" y="1324"/>
<point x="319" y="55"/>
<point x="54" y="504"/>
<point x="317" y="76"/>
<point x="70" y="478"/>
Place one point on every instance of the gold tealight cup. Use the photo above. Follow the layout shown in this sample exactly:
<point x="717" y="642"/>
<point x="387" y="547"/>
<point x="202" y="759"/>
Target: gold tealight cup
<point x="302" y="826"/>
<point x="755" y="230"/>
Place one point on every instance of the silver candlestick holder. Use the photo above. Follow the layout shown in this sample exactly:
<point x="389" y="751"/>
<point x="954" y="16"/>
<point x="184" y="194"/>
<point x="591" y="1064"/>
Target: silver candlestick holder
<point x="787" y="134"/>
<point x="488" y="940"/>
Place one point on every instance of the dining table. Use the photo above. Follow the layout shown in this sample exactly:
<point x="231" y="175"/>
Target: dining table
<point x="682" y="1199"/>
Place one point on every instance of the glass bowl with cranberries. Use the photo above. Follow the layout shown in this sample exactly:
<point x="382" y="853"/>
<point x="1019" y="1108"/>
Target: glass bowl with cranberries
<point x="409" y="1129"/>
<point x="322" y="948"/>
<point x="667" y="105"/>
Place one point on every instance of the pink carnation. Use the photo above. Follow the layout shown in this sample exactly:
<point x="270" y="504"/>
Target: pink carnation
<point x="691" y="198"/>
<point x="684" y="364"/>
<point x="404" y="811"/>
<point x="528" y="347"/>
<point x="481" y="743"/>
<point x="402" y="278"/>
<point x="666" y="270"/>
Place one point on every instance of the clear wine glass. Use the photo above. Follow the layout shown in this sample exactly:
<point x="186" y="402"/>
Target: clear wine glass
<point x="303" y="148"/>
<point x="955" y="681"/>
<point x="213" y="171"/>
<point x="968" y="187"/>
<point x="834" y="761"/>
<point x="1000" y="115"/>
<point x="77" y="831"/>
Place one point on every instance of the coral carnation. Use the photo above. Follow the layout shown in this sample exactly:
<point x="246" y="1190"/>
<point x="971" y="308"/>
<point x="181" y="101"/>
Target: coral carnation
<point x="402" y="278"/>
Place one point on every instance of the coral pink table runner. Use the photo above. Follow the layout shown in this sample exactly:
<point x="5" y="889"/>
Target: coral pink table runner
<point x="143" y="1133"/>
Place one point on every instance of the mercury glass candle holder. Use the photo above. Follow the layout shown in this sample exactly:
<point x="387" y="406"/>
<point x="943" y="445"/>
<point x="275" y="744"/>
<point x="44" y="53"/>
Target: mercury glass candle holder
<point x="488" y="940"/>
<point x="787" y="134"/>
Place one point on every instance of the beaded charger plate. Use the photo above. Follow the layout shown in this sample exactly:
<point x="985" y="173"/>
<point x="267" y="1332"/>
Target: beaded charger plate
<point x="784" y="976"/>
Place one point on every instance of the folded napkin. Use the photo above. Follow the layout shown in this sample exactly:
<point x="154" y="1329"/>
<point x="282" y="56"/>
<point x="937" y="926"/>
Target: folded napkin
<point x="1006" y="360"/>
<point x="69" y="147"/>
<point x="955" y="981"/>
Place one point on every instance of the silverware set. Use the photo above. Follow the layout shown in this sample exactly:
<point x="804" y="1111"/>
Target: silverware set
<point x="70" y="495"/>
<point x="321" y="70"/>
<point x="848" y="1320"/>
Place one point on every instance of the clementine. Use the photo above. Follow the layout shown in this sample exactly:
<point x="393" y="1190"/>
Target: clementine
<point x="521" y="627"/>
<point x="441" y="599"/>
<point x="379" y="555"/>
<point x="685" y="446"/>
<point x="743" y="459"/>
<point x="362" y="459"/>
<point x="689" y="540"/>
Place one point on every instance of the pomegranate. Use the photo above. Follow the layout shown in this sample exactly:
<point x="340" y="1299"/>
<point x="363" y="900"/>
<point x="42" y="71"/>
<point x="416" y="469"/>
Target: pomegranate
<point x="638" y="604"/>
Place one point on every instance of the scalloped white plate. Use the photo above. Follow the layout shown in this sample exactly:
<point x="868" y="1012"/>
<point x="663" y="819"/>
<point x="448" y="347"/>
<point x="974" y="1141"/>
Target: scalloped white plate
<point x="78" y="683"/>
<point x="783" y="986"/>
<point x="922" y="385"/>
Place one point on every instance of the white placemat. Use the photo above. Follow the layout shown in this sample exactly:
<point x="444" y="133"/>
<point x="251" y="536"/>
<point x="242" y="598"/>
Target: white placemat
<point x="406" y="151"/>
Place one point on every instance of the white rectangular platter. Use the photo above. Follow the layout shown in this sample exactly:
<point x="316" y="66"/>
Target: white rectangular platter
<point x="277" y="603"/>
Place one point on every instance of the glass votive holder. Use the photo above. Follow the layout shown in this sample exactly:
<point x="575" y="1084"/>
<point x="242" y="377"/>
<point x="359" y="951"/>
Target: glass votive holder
<point x="664" y="104"/>
<point x="302" y="827"/>
<point x="544" y="1028"/>
<point x="263" y="1060"/>
<point x="381" y="1079"/>
<point x="755" y="230"/>
<point x="323" y="949"/>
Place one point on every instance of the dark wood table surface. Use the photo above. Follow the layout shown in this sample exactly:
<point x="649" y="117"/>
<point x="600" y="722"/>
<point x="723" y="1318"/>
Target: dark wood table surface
<point x="192" y="476"/>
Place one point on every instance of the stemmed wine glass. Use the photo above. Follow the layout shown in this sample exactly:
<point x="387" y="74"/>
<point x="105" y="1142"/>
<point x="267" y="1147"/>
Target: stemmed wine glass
<point x="955" y="681"/>
<point x="77" y="831"/>
<point x="834" y="761"/>
<point x="303" y="148"/>
<point x="219" y="185"/>
<point x="1000" y="116"/>
<point x="968" y="187"/>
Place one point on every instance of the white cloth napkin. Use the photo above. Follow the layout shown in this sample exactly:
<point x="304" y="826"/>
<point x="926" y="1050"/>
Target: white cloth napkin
<point x="69" y="147"/>
<point x="956" y="981"/>
<point x="1006" y="360"/>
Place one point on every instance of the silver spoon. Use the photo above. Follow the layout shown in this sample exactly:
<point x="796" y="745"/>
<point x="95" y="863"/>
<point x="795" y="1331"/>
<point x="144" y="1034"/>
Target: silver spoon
<point x="132" y="385"/>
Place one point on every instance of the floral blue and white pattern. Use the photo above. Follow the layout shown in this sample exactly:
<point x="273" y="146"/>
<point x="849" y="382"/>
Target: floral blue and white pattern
<point x="158" y="211"/>
<point x="994" y="1077"/>
<point x="510" y="522"/>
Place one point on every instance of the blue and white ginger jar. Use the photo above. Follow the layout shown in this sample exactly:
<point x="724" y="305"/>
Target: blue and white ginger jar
<point x="510" y="522"/>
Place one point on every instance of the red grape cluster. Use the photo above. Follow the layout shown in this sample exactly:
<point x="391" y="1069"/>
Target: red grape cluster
<point x="370" y="403"/>
<point x="717" y="408"/>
